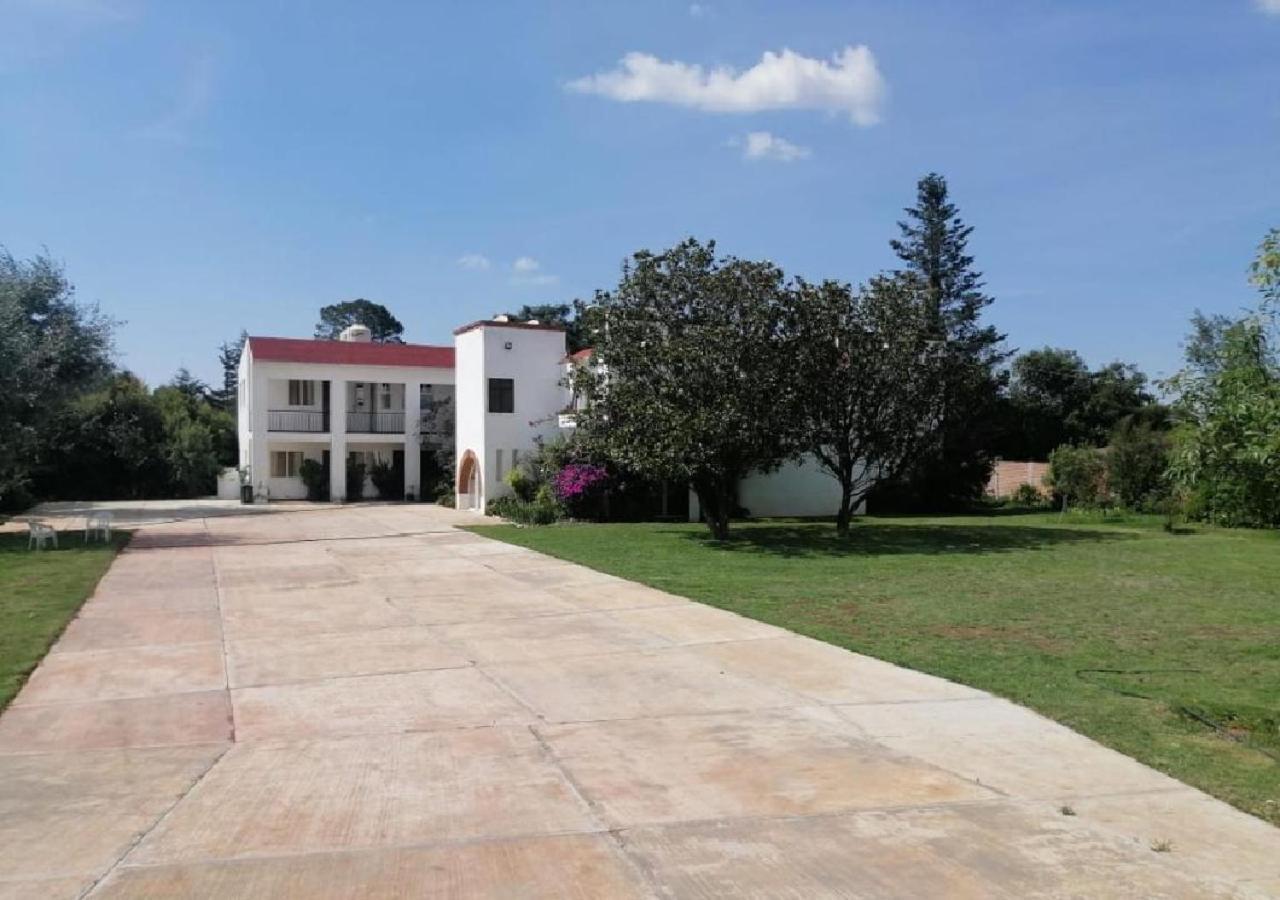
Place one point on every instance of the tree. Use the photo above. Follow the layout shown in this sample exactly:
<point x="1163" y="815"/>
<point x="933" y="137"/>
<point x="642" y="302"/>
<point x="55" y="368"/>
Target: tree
<point x="51" y="350"/>
<point x="869" y="379"/>
<point x="933" y="245"/>
<point x="1077" y="474"/>
<point x="1054" y="399"/>
<point x="107" y="444"/>
<point x="1226" y="455"/>
<point x="385" y="328"/>
<point x="557" y="314"/>
<point x="229" y="359"/>
<point x="200" y="437"/>
<point x="1137" y="457"/>
<point x="698" y="384"/>
<point x="1046" y="387"/>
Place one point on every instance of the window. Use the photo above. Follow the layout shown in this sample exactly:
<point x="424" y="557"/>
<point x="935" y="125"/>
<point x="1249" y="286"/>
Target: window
<point x="302" y="393"/>
<point x="285" y="463"/>
<point x="384" y="396"/>
<point x="502" y="395"/>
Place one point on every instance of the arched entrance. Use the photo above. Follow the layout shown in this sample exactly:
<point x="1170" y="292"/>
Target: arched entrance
<point x="469" y="481"/>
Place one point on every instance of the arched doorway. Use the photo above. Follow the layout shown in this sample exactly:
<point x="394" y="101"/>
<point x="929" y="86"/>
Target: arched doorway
<point x="469" y="481"/>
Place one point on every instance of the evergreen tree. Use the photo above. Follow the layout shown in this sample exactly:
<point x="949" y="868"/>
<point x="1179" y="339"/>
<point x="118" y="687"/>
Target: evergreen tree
<point x="229" y="358"/>
<point x="933" y="245"/>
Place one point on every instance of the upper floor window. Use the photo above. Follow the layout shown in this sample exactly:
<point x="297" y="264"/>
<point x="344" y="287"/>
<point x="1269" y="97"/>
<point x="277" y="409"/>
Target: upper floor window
<point x="302" y="393"/>
<point x="502" y="395"/>
<point x="384" y="396"/>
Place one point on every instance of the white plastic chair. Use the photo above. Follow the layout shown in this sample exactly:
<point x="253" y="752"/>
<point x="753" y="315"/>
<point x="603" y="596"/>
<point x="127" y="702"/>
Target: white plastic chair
<point x="39" y="534"/>
<point x="97" y="524"/>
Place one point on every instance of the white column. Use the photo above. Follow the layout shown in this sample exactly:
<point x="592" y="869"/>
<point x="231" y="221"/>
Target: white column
<point x="337" y="440"/>
<point x="412" y="439"/>
<point x="260" y="458"/>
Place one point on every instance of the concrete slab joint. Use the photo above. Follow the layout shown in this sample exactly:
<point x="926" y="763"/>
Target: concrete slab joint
<point x="367" y="701"/>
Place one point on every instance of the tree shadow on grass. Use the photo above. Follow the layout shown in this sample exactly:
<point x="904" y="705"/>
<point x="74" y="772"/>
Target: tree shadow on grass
<point x="888" y="540"/>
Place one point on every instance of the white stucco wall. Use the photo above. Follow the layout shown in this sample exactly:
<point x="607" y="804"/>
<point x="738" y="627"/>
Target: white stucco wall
<point x="469" y="399"/>
<point x="290" y="488"/>
<point x="267" y="389"/>
<point x="796" y="489"/>
<point x="531" y="357"/>
<point x="800" y="489"/>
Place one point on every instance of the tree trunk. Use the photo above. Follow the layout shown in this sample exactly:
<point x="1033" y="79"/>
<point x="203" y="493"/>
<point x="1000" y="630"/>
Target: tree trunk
<point x="846" y="508"/>
<point x="715" y="502"/>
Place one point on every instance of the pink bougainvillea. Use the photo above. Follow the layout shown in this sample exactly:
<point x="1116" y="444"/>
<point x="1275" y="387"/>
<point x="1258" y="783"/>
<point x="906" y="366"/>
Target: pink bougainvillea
<point x="578" y="480"/>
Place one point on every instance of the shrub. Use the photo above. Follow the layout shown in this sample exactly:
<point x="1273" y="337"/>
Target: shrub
<point x="578" y="481"/>
<point x="446" y="499"/>
<point x="1136" y="463"/>
<point x="355" y="480"/>
<point x="316" y="477"/>
<point x="542" y="510"/>
<point x="1077" y="475"/>
<point x="1028" y="495"/>
<point x="387" y="480"/>
<point x="522" y="483"/>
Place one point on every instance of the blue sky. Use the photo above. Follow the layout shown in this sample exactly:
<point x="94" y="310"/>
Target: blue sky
<point x="205" y="167"/>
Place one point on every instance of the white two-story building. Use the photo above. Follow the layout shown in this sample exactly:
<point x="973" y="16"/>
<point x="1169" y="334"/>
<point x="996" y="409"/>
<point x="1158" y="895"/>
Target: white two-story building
<point x="495" y="394"/>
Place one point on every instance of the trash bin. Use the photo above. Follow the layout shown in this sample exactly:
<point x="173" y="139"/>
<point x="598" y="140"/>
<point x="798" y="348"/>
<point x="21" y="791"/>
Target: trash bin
<point x="246" y="493"/>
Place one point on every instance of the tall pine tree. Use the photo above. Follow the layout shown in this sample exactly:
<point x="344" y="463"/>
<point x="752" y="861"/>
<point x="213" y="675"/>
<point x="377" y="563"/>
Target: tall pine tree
<point x="933" y="246"/>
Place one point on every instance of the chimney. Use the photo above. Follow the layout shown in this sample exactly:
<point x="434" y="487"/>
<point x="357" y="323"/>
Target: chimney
<point x="356" y="334"/>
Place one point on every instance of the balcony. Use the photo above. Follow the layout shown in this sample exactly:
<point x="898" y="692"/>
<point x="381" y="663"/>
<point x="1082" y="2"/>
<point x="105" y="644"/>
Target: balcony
<point x="375" y="422"/>
<point x="306" y="420"/>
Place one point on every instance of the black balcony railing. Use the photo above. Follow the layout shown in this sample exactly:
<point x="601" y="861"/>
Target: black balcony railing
<point x="375" y="422"/>
<point x="313" y="420"/>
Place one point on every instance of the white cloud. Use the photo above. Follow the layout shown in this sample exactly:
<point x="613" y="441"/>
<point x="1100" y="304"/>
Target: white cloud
<point x="698" y="10"/>
<point x="1270" y="7"/>
<point x="849" y="82"/>
<point x="474" y="261"/>
<point x="763" y="145"/>
<point x="528" y="271"/>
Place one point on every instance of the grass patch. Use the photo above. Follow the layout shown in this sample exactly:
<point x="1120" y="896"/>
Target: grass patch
<point x="39" y="593"/>
<point x="1165" y="646"/>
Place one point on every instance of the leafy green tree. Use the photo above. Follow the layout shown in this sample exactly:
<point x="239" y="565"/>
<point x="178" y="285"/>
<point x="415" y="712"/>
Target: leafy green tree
<point x="108" y="444"/>
<point x="52" y="349"/>
<point x="1054" y="399"/>
<point x="698" y="382"/>
<point x="868" y="375"/>
<point x="1137" y="457"/>
<point x="200" y="437"/>
<point x="574" y="322"/>
<point x="1077" y="475"/>
<point x="1226" y="454"/>
<point x="384" y="327"/>
<point x="933" y="245"/>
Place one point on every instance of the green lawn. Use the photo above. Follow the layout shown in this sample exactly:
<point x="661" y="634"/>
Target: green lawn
<point x="39" y="593"/>
<point x="1038" y="608"/>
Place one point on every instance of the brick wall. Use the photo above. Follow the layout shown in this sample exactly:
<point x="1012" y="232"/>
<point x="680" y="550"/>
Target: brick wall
<point x="1008" y="474"/>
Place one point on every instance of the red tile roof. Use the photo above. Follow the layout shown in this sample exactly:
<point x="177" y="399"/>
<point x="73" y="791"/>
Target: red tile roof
<point x="349" y="353"/>
<point x="580" y="355"/>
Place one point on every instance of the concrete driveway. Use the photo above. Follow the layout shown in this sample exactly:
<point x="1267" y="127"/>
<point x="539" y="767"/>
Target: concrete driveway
<point x="365" y="702"/>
